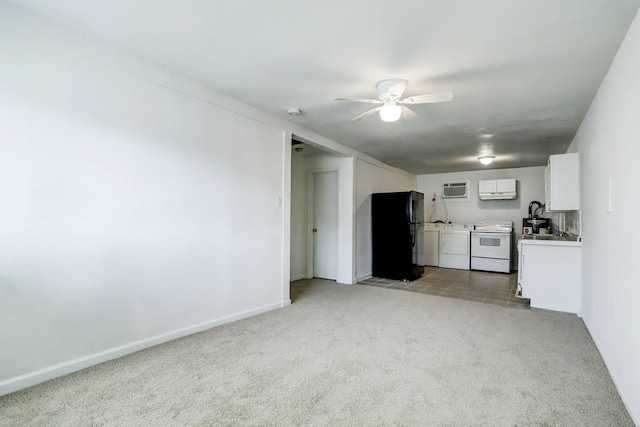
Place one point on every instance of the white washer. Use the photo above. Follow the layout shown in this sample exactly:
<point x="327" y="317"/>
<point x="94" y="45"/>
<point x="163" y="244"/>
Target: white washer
<point x="432" y="243"/>
<point x="455" y="246"/>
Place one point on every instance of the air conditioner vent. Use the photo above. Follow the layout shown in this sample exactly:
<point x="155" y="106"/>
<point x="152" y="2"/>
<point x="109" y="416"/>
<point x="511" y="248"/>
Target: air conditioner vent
<point x="451" y="190"/>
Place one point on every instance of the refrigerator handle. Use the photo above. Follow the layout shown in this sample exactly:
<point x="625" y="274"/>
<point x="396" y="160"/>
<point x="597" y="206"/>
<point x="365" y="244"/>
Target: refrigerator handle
<point x="413" y="235"/>
<point x="412" y="217"/>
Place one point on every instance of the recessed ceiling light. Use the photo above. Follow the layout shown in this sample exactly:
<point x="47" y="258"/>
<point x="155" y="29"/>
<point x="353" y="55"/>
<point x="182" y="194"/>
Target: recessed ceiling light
<point x="485" y="160"/>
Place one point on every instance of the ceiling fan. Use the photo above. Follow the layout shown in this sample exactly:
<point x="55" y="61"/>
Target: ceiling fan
<point x="389" y="93"/>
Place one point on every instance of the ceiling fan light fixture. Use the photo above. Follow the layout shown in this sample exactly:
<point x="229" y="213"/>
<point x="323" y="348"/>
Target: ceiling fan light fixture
<point x="486" y="160"/>
<point x="390" y="112"/>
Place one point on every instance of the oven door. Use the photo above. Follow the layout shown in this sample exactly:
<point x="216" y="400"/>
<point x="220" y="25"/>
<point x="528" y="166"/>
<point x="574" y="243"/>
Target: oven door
<point x="491" y="245"/>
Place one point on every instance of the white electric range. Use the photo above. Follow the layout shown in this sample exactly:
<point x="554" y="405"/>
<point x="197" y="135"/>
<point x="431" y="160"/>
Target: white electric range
<point x="491" y="246"/>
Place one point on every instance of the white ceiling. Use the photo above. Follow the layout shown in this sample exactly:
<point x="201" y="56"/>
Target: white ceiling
<point x="523" y="73"/>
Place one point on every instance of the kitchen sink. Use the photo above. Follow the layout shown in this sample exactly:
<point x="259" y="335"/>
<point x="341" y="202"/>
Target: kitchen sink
<point x="566" y="238"/>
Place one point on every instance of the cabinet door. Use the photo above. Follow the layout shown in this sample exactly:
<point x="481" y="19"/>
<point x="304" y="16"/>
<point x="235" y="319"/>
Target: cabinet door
<point x="487" y="186"/>
<point x="563" y="174"/>
<point x="521" y="283"/>
<point x="550" y="276"/>
<point x="547" y="190"/>
<point x="506" y="185"/>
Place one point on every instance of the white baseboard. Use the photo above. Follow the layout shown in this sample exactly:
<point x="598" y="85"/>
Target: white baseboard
<point x="363" y="277"/>
<point x="32" y="378"/>
<point x="298" y="277"/>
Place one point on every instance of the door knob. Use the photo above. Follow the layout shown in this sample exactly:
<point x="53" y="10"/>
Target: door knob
<point x="315" y="230"/>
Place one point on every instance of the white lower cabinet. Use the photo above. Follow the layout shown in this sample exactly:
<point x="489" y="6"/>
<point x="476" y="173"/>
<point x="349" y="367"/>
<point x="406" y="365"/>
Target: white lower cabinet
<point x="549" y="274"/>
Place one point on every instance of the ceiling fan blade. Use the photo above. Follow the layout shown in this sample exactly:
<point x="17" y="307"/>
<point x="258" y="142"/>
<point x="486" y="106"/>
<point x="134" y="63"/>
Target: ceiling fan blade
<point x="368" y="101"/>
<point x="408" y="114"/>
<point x="428" y="99"/>
<point x="367" y="114"/>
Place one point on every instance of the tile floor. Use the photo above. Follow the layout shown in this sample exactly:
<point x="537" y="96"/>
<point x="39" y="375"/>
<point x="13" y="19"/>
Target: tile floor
<point x="481" y="286"/>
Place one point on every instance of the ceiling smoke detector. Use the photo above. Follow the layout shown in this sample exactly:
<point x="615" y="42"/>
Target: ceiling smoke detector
<point x="293" y="112"/>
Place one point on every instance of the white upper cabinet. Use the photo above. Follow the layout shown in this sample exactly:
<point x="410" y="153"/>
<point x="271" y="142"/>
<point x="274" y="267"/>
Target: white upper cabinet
<point x="497" y="189"/>
<point x="506" y="185"/>
<point x="487" y="186"/>
<point x="562" y="182"/>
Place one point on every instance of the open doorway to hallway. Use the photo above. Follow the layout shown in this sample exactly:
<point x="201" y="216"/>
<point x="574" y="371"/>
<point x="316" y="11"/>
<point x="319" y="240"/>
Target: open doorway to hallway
<point x="315" y="180"/>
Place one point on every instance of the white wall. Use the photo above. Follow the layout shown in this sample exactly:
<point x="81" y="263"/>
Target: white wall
<point x="372" y="178"/>
<point x="530" y="186"/>
<point x="302" y="166"/>
<point x="609" y="144"/>
<point x="137" y="206"/>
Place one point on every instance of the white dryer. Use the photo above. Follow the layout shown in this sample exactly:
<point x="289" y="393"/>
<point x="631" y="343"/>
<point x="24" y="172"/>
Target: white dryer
<point x="455" y="246"/>
<point x="432" y="243"/>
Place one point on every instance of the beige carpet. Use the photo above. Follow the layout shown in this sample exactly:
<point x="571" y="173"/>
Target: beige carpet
<point x="347" y="355"/>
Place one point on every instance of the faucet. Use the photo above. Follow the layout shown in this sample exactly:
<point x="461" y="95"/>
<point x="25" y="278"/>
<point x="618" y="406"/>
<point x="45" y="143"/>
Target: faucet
<point x="532" y="212"/>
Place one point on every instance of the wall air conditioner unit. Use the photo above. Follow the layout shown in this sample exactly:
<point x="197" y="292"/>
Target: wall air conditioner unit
<point x="455" y="190"/>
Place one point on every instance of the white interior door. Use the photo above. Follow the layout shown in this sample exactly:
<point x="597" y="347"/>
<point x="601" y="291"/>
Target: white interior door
<point x="325" y="225"/>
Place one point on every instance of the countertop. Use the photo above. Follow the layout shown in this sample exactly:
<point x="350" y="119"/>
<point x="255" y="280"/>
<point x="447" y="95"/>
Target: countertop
<point x="551" y="240"/>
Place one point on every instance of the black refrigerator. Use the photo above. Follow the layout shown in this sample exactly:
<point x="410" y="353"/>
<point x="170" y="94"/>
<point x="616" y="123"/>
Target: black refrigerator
<point x="397" y="221"/>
